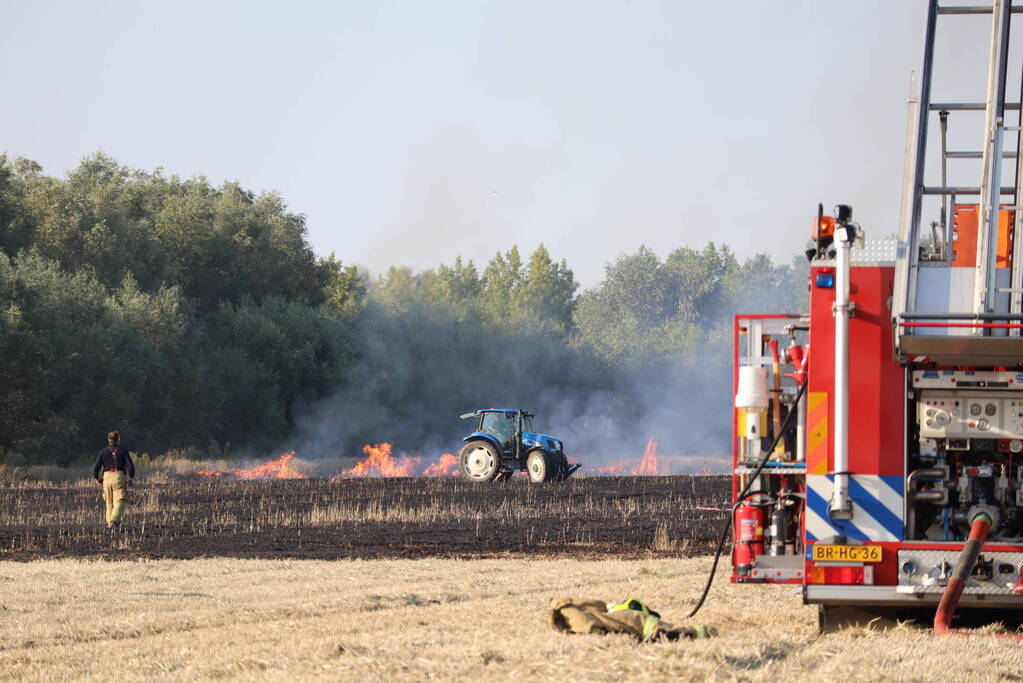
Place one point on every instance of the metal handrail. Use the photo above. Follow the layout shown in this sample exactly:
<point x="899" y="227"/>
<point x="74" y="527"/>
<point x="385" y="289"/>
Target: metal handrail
<point x="913" y="315"/>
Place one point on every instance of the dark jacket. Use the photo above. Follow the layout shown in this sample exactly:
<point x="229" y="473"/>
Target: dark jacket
<point x="113" y="459"/>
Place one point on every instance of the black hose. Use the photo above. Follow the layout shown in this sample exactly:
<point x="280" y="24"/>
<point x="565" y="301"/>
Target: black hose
<point x="742" y="496"/>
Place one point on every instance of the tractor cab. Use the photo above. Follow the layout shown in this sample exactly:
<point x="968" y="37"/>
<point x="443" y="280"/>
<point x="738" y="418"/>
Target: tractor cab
<point x="504" y="442"/>
<point x="503" y="425"/>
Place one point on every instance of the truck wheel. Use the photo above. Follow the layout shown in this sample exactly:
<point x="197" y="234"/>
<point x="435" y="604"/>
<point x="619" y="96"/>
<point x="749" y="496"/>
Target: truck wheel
<point x="539" y="467"/>
<point x="479" y="461"/>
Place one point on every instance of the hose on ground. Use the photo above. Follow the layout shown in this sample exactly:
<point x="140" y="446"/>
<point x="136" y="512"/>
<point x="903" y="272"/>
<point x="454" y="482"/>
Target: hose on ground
<point x="964" y="567"/>
<point x="742" y="496"/>
<point x="957" y="582"/>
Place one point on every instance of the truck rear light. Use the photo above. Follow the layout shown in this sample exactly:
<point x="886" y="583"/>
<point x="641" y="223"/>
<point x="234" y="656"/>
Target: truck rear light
<point x="852" y="576"/>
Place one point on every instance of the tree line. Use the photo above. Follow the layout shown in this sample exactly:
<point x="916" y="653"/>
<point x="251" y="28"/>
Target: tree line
<point x="193" y="316"/>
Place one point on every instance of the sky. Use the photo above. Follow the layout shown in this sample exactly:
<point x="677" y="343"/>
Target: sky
<point x="409" y="133"/>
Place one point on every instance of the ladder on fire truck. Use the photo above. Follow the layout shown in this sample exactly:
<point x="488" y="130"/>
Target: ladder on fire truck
<point x="958" y="294"/>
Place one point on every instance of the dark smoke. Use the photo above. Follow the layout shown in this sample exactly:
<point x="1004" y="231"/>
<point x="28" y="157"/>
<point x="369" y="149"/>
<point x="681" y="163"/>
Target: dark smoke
<point x="419" y="372"/>
<point x="423" y="366"/>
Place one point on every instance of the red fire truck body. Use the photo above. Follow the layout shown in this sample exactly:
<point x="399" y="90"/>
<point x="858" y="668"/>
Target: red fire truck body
<point x="876" y="432"/>
<point x="874" y="564"/>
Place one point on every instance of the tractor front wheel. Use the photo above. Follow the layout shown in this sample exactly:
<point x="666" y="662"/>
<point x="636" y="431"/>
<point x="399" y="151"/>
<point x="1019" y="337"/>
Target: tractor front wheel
<point x="479" y="461"/>
<point x="539" y="467"/>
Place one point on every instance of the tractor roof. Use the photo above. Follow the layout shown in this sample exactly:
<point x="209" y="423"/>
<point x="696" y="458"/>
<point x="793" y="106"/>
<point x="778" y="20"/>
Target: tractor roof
<point x="506" y="411"/>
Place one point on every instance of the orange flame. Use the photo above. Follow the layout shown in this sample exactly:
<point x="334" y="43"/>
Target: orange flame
<point x="275" y="469"/>
<point x="380" y="463"/>
<point x="647" y="465"/>
<point x="445" y="467"/>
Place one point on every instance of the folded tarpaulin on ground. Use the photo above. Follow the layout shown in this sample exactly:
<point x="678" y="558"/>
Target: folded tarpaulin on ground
<point x="631" y="616"/>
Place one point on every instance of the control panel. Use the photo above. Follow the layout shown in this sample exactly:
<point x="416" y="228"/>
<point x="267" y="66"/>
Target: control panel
<point x="983" y="414"/>
<point x="928" y="571"/>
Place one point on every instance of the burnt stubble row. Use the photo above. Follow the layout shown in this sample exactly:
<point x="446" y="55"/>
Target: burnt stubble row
<point x="369" y="518"/>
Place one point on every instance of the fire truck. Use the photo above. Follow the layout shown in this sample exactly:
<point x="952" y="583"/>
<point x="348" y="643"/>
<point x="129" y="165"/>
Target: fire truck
<point x="878" y="437"/>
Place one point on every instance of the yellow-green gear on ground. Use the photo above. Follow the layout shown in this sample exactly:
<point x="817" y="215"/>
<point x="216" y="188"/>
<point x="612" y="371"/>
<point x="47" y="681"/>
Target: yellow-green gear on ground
<point x="631" y="616"/>
<point x="650" y="617"/>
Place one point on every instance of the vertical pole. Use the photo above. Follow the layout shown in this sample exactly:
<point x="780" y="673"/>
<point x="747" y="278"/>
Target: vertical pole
<point x="923" y="112"/>
<point x="909" y="160"/>
<point x="991" y="175"/>
<point x="841" y="506"/>
<point x="779" y="447"/>
<point x="904" y="296"/>
<point x="755" y="338"/>
<point x="945" y="241"/>
<point x="801" y="431"/>
<point x="1016" y="277"/>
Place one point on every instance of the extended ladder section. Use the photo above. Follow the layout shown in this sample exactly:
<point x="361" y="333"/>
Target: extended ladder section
<point x="959" y="282"/>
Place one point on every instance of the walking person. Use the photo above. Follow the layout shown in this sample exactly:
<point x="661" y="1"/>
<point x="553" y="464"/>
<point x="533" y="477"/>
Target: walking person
<point x="113" y="470"/>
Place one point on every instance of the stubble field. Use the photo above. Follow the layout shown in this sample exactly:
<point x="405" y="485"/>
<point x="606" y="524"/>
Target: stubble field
<point x="432" y="619"/>
<point x="368" y="518"/>
<point x="411" y="579"/>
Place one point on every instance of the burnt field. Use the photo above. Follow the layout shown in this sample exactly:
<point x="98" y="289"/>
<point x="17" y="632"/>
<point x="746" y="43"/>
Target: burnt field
<point x="593" y="517"/>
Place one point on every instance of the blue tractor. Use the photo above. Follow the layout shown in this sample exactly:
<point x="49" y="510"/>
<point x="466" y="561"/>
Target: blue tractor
<point x="504" y="442"/>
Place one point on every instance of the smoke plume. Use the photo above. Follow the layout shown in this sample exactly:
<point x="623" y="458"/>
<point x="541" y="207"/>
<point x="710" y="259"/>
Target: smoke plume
<point x="420" y="371"/>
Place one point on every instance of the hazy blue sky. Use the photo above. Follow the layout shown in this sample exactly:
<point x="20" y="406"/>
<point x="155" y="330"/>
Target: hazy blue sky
<point x="411" y="132"/>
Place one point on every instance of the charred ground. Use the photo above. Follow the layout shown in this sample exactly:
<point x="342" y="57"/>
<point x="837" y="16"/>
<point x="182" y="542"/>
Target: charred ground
<point x="369" y="518"/>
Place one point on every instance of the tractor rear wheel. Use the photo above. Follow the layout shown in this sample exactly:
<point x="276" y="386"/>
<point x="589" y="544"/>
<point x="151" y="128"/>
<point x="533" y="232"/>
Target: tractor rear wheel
<point x="479" y="461"/>
<point x="539" y="467"/>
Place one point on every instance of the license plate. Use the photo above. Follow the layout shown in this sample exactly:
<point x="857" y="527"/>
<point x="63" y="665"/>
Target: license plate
<point x="846" y="553"/>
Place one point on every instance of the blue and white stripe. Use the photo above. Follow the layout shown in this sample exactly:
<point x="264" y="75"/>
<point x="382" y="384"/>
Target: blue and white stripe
<point x="876" y="503"/>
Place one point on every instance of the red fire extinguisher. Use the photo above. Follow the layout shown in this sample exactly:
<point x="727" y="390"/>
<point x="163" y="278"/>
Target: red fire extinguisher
<point x="749" y="537"/>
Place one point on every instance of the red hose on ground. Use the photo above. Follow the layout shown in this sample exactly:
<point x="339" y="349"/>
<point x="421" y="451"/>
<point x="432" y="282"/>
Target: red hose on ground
<point x="957" y="582"/>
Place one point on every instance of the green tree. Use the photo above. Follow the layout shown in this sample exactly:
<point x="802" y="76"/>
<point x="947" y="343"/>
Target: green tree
<point x="548" y="294"/>
<point x="538" y="297"/>
<point x="457" y="286"/>
<point x="500" y="294"/>
<point x="345" y="290"/>
<point x="620" y="317"/>
<point x="674" y="311"/>
<point x="215" y="243"/>
<point x="72" y="364"/>
<point x="173" y="310"/>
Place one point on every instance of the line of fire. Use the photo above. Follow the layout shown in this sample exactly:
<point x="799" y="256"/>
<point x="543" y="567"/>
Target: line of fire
<point x="381" y="461"/>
